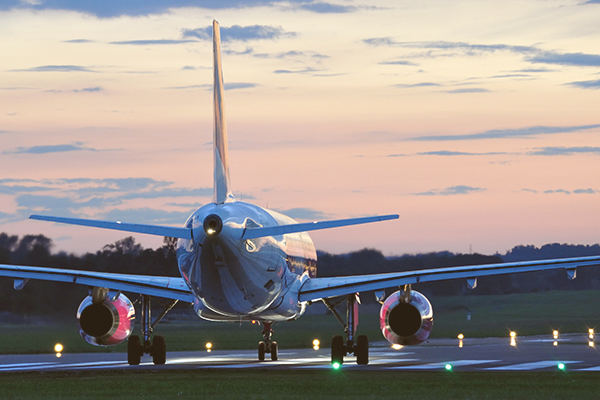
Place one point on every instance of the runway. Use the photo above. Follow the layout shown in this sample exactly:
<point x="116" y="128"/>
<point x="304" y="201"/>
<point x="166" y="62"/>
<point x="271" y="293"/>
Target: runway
<point x="535" y="353"/>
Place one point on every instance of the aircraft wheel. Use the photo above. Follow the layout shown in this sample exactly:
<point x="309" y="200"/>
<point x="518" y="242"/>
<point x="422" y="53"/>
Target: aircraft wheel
<point x="273" y="351"/>
<point x="134" y="350"/>
<point x="159" y="350"/>
<point x="337" y="349"/>
<point x="362" y="350"/>
<point x="261" y="351"/>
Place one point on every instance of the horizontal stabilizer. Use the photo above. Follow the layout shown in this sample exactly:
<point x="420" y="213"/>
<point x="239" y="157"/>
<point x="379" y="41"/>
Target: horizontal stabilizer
<point x="182" y="233"/>
<point x="252" y="233"/>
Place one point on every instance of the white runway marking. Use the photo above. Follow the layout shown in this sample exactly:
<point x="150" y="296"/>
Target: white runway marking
<point x="24" y="366"/>
<point x="37" y="366"/>
<point x="590" y="369"/>
<point x="530" y="366"/>
<point x="442" y="365"/>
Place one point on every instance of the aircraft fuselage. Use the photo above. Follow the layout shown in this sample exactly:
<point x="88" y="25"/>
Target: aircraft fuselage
<point x="234" y="278"/>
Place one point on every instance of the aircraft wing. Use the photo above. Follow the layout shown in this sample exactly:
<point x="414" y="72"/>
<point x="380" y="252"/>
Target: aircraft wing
<point x="318" y="288"/>
<point x="158" y="230"/>
<point x="160" y="286"/>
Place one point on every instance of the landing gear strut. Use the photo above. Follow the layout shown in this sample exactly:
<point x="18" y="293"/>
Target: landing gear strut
<point x="339" y="349"/>
<point x="157" y="347"/>
<point x="266" y="345"/>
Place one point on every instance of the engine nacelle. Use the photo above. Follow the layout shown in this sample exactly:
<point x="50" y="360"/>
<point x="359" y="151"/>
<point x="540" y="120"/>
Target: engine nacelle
<point x="107" y="322"/>
<point x="406" y="322"/>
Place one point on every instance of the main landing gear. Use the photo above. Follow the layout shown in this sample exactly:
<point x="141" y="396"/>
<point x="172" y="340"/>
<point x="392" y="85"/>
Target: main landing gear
<point x="339" y="349"/>
<point x="267" y="346"/>
<point x="157" y="347"/>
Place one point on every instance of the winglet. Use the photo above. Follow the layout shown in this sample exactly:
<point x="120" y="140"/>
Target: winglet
<point x="222" y="187"/>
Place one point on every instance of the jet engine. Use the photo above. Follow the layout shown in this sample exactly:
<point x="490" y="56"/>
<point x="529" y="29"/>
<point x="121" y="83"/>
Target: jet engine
<point x="106" y="321"/>
<point x="406" y="318"/>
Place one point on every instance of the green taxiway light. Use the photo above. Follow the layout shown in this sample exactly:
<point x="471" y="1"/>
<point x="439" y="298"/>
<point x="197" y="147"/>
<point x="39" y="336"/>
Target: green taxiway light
<point x="336" y="365"/>
<point x="561" y="366"/>
<point x="448" y="367"/>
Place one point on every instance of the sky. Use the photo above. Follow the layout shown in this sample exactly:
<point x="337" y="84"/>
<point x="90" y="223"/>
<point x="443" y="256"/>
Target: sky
<point x="476" y="121"/>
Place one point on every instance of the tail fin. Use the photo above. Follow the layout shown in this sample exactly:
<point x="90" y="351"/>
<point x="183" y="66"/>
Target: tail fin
<point x="222" y="186"/>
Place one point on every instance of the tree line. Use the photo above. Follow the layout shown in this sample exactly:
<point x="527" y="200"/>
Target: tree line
<point x="128" y="257"/>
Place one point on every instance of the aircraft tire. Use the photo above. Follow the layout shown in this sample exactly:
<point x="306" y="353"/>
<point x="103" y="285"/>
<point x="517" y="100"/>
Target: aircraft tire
<point x="273" y="351"/>
<point x="362" y="350"/>
<point x="337" y="349"/>
<point x="134" y="350"/>
<point x="261" y="351"/>
<point x="159" y="350"/>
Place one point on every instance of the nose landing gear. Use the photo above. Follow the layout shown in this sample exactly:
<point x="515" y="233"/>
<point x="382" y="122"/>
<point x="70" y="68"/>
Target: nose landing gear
<point x="266" y="346"/>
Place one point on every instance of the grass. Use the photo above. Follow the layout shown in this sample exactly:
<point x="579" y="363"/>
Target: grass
<point x="528" y="314"/>
<point x="298" y="384"/>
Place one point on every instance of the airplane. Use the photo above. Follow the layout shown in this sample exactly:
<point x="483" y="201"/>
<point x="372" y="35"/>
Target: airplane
<point x="241" y="262"/>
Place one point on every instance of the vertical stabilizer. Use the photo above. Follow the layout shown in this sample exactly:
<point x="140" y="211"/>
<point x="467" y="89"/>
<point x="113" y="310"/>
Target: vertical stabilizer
<point x="222" y="187"/>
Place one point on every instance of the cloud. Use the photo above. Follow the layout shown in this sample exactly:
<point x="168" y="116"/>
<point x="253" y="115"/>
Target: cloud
<point x="240" y="85"/>
<point x="585" y="191"/>
<point x="192" y="68"/>
<point x="511" y="76"/>
<point x="57" y="148"/>
<point x="398" y="62"/>
<point x="311" y="55"/>
<point x="465" y="48"/>
<point x="153" y="42"/>
<point x="414" y="85"/>
<point x="557" y="191"/>
<point x="118" y="8"/>
<point x="529" y="190"/>
<point x="210" y="86"/>
<point x="300" y="71"/>
<point x="532" y="54"/>
<point x="527" y="132"/>
<point x="79" y="41"/>
<point x="147" y="215"/>
<point x="535" y="70"/>
<point x="467" y="90"/>
<point x="240" y="33"/>
<point x="89" y="90"/>
<point x="85" y="197"/>
<point x="573" y="59"/>
<point x="326" y="8"/>
<point x="304" y="213"/>
<point x="451" y="191"/>
<point x="54" y="68"/>
<point x="585" y="84"/>
<point x="457" y="153"/>
<point x="19" y="189"/>
<point x="564" y="151"/>
<point x="16" y="88"/>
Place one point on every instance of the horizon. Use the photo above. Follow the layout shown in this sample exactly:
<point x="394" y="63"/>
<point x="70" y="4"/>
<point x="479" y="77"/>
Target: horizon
<point x="54" y="251"/>
<point x="476" y="122"/>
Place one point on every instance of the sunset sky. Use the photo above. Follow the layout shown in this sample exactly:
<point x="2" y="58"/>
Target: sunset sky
<point x="477" y="121"/>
